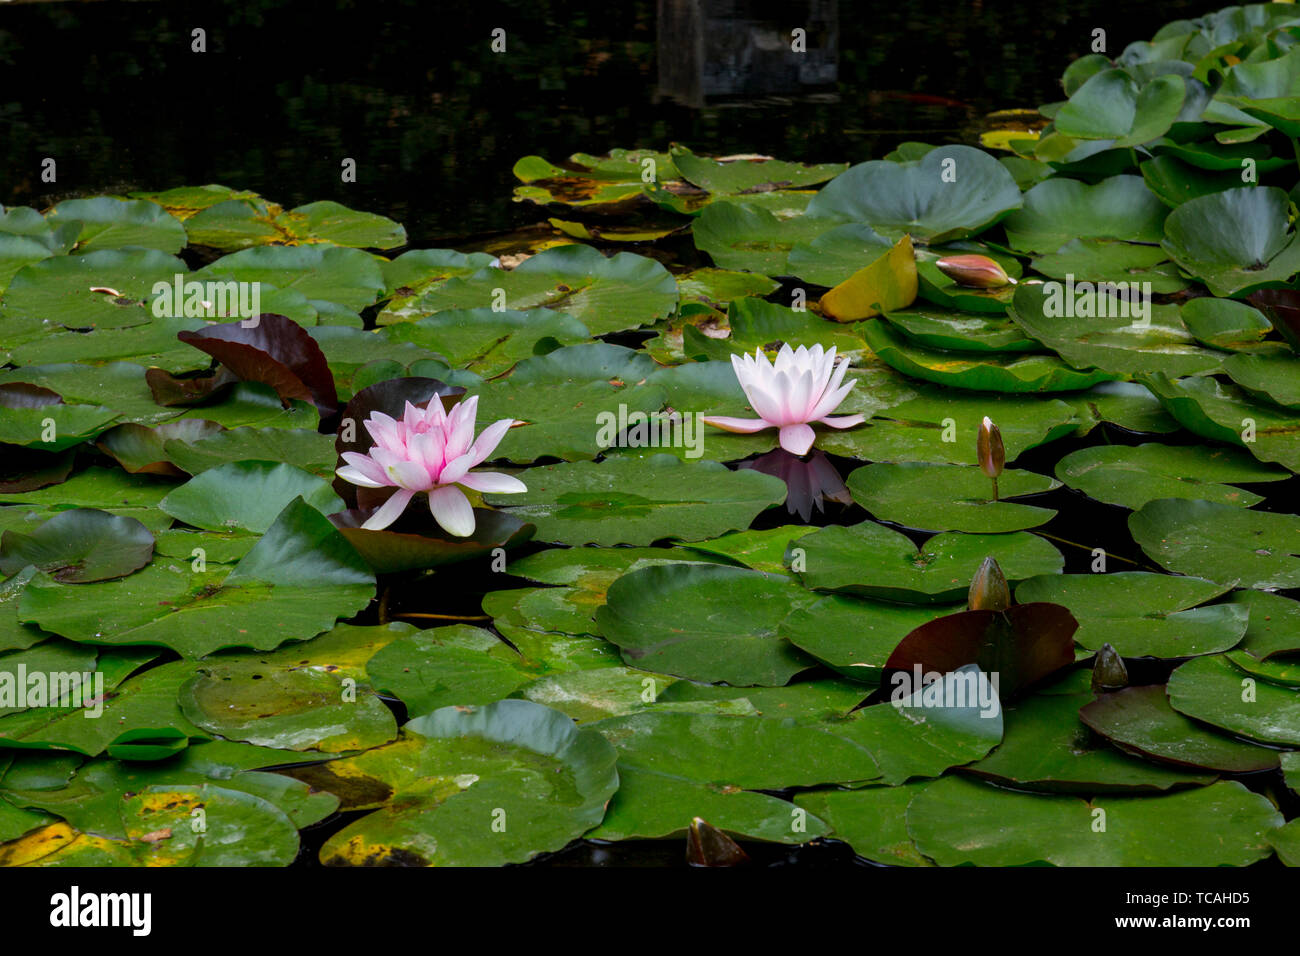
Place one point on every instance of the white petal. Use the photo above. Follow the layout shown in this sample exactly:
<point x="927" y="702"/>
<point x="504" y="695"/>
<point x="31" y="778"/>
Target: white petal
<point x="389" y="511"/>
<point x="493" y="482"/>
<point x="451" y="510"/>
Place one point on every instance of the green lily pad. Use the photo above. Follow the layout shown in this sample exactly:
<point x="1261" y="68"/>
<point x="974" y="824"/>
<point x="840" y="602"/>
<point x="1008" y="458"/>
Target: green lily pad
<point x="836" y="254"/>
<point x="57" y="291"/>
<point x="1139" y="720"/>
<point x="986" y="371"/>
<point x="79" y="545"/>
<point x="947" y="292"/>
<point x="1114" y="105"/>
<point x="346" y="277"/>
<point x="745" y="236"/>
<point x="940" y="426"/>
<point x="1106" y="260"/>
<point x="755" y="324"/>
<point x="150" y="344"/>
<point x="303" y="448"/>
<point x="1212" y="690"/>
<point x="295" y="582"/>
<point x="1277" y="377"/>
<point x="1142" y="614"/>
<point x="1225" y="323"/>
<point x="90" y="800"/>
<point x="562" y="399"/>
<point x="1236" y="240"/>
<point x="241" y="223"/>
<point x="955" y="821"/>
<point x="63" y="425"/>
<point x="949" y="497"/>
<point x="1274" y="624"/>
<point x="719" y="287"/>
<point x="606" y="295"/>
<point x="489" y="342"/>
<point x="1127" y="404"/>
<point x="109" y="223"/>
<point x="629" y="501"/>
<point x="872" y="820"/>
<point x="247" y="496"/>
<point x="592" y="180"/>
<point x="949" y="193"/>
<point x="472" y="786"/>
<point x="1093" y="330"/>
<point x="290" y="708"/>
<point x="855" y="636"/>
<point x="1223" y="543"/>
<point x="872" y="561"/>
<point x="1130" y="476"/>
<point x="655" y="805"/>
<point x="743" y="176"/>
<point x="708" y="623"/>
<point x="1046" y="747"/>
<point x="943" y="329"/>
<point x="1222" y="411"/>
<point x="1060" y="210"/>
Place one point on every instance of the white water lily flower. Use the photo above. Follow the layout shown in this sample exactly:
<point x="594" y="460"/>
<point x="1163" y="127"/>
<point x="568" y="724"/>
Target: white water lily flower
<point x="800" y="388"/>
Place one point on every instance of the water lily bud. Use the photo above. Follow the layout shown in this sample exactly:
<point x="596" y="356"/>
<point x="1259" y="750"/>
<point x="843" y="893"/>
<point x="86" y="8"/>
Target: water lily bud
<point x="976" y="272"/>
<point x="988" y="589"/>
<point x="1108" y="670"/>
<point x="989" y="449"/>
<point x="706" y="845"/>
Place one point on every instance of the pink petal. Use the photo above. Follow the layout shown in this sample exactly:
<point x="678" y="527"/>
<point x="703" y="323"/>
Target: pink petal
<point x="460" y="427"/>
<point x="493" y="482"/>
<point x="797" y="439"/>
<point x="389" y="511"/>
<point x="427" y="449"/>
<point x="410" y="475"/>
<point x="383" y="429"/>
<point x="743" y="426"/>
<point x="451" y="510"/>
<point x="367" y="467"/>
<point x="842" y="421"/>
<point x="488" y="440"/>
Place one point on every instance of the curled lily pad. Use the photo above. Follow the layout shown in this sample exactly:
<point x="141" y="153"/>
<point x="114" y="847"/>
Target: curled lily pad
<point x="744" y="176"/>
<point x="955" y="821"/>
<point x="887" y="283"/>
<point x="1277" y="377"/>
<point x="471" y="786"/>
<point x="1220" y="542"/>
<point x="1140" y="721"/>
<point x="1142" y="614"/>
<point x="140" y="449"/>
<point x="246" y="496"/>
<point x="1225" y="323"/>
<point x="943" y="329"/>
<point x="1274" y="626"/>
<point x="79" y="545"/>
<point x="1130" y="476"/>
<point x="872" y="561"/>
<point x="986" y="371"/>
<point x="1222" y="411"/>
<point x="1236" y="240"/>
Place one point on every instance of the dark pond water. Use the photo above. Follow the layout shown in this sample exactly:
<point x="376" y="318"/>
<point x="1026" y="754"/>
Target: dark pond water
<point x="435" y="119"/>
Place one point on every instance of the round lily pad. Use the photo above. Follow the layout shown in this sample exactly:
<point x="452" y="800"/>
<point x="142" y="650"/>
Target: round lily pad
<point x="246" y="496"/>
<point x="1220" y="542"/>
<point x="709" y="623"/>
<point x="1131" y="476"/>
<point x="1235" y="240"/>
<point x="949" y="497"/>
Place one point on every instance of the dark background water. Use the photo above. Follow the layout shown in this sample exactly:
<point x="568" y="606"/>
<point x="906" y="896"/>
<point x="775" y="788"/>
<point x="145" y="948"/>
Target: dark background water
<point x="435" y="120"/>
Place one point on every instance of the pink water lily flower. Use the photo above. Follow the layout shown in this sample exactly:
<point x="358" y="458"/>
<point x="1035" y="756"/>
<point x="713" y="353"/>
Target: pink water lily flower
<point x="429" y="450"/>
<point x="801" y="387"/>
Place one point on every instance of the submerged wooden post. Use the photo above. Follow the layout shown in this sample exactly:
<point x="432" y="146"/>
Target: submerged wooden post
<point x="744" y="48"/>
